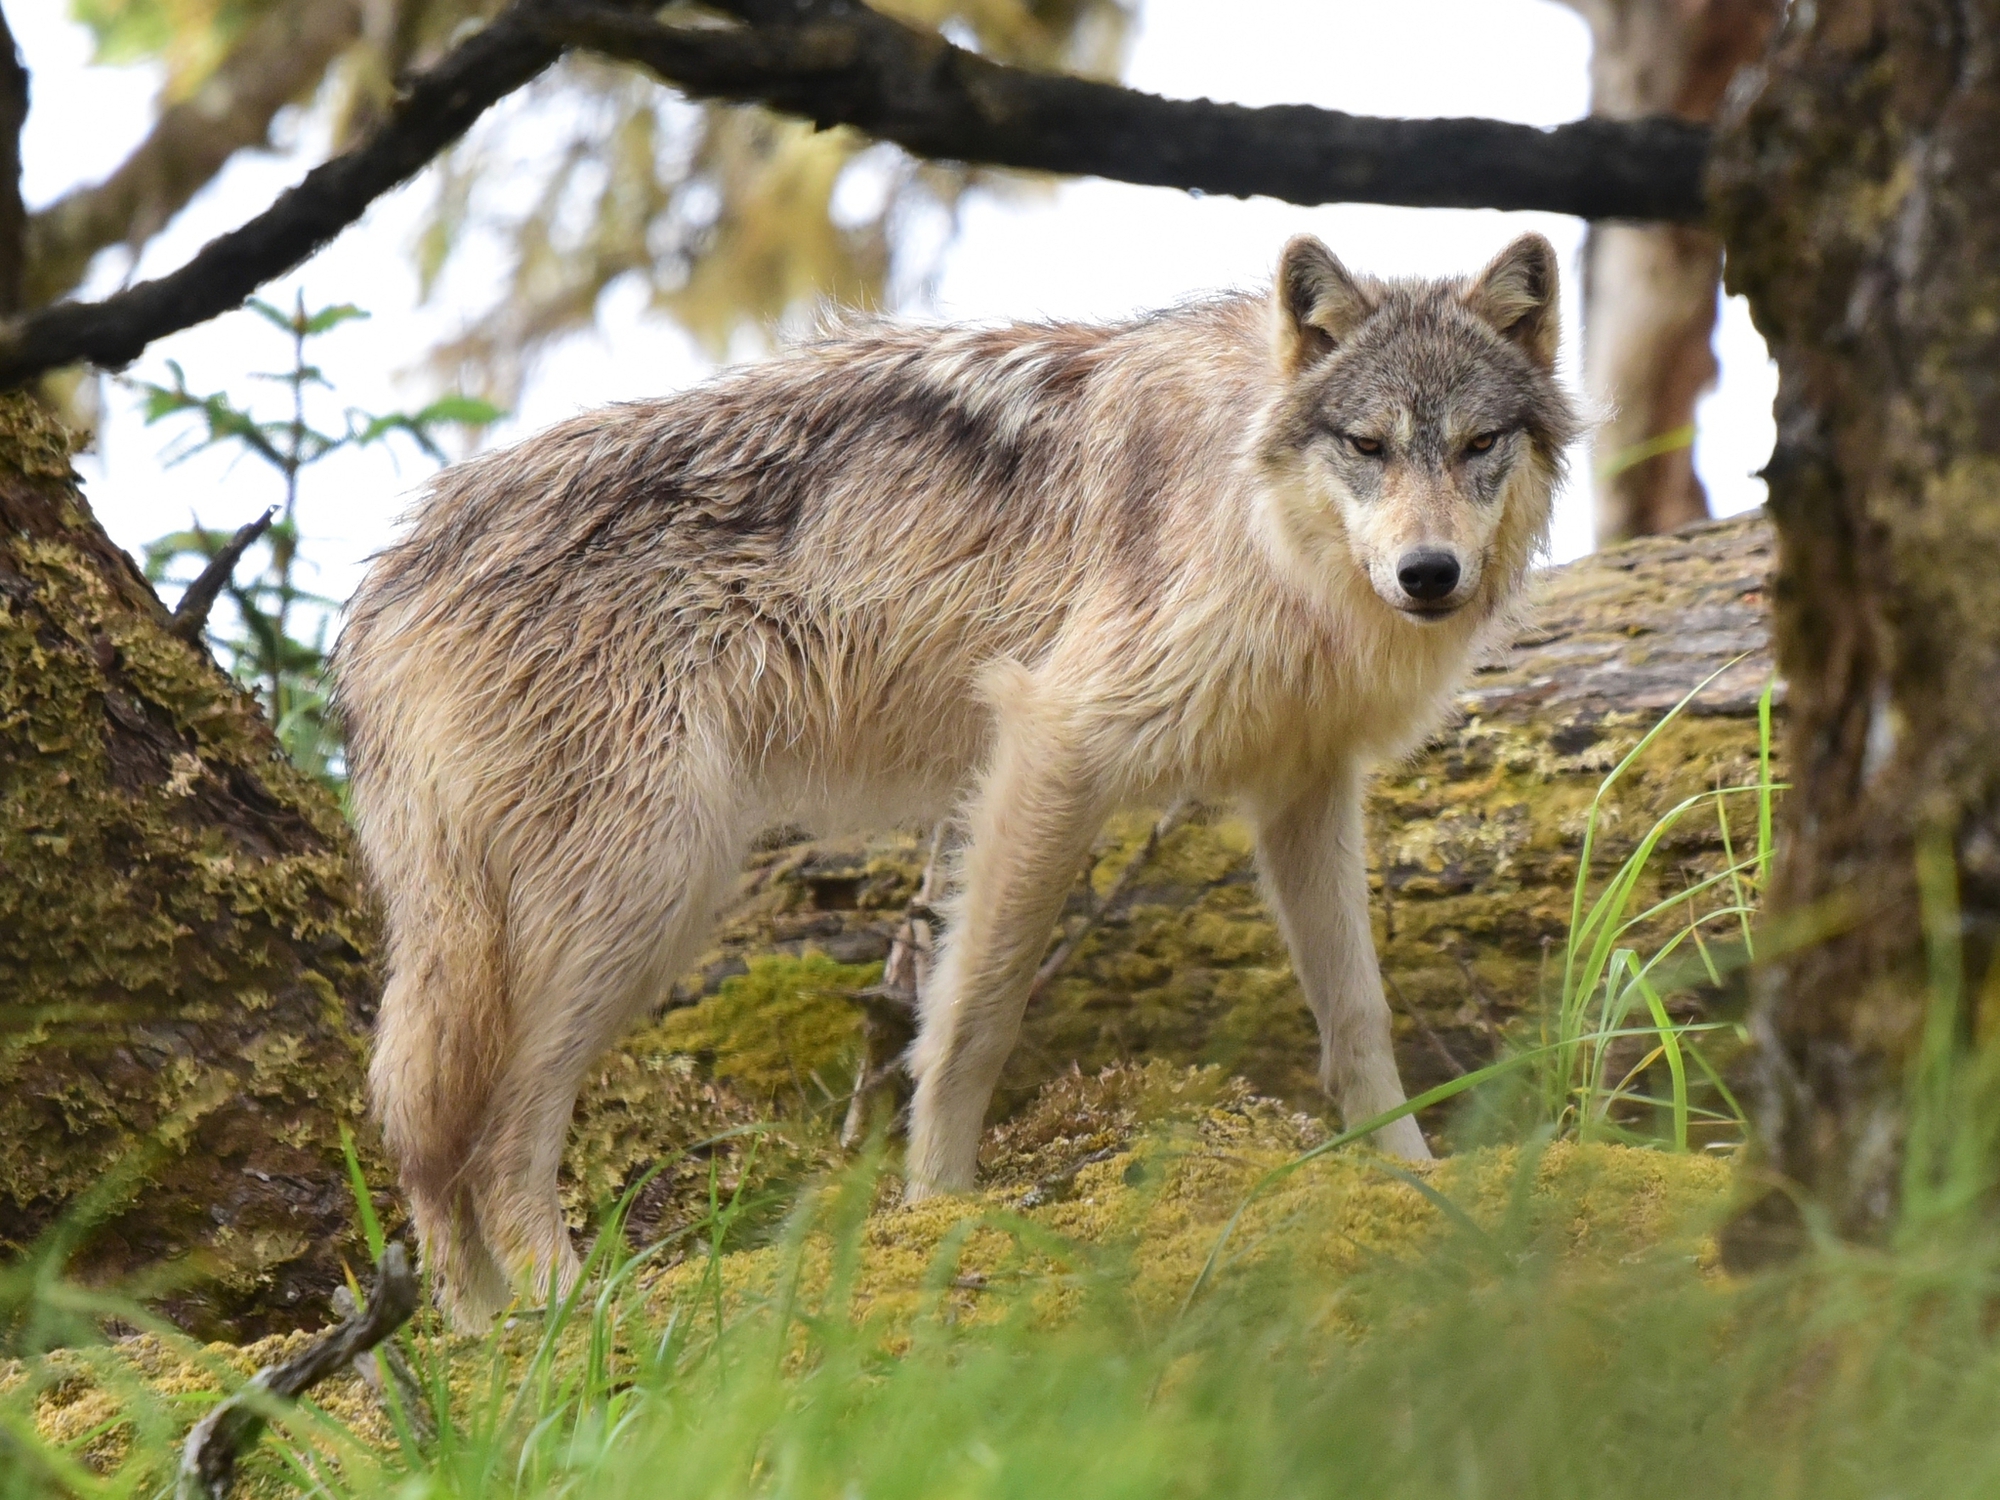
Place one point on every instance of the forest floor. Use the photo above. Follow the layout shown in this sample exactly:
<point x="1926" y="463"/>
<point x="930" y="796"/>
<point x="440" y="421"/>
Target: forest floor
<point x="1161" y="1290"/>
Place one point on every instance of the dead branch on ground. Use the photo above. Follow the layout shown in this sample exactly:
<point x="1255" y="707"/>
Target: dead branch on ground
<point x="208" y="1459"/>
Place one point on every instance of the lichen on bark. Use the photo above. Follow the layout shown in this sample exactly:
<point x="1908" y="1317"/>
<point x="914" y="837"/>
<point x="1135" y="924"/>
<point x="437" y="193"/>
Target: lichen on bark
<point x="183" y="949"/>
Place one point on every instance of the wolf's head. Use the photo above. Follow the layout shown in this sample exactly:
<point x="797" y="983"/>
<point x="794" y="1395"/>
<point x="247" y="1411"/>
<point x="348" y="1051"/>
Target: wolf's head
<point x="1418" y="430"/>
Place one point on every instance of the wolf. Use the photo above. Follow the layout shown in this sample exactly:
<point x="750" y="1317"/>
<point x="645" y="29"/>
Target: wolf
<point x="1240" y="550"/>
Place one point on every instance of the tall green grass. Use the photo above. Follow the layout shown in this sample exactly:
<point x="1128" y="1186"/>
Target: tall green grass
<point x="1487" y="1366"/>
<point x="1589" y="1079"/>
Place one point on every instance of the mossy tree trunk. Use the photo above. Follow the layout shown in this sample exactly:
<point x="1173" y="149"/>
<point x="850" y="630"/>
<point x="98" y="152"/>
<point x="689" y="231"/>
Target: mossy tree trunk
<point x="1859" y="192"/>
<point x="184" y="986"/>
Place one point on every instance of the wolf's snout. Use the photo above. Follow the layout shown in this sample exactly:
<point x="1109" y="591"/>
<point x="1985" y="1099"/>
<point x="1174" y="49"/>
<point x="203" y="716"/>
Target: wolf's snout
<point x="1428" y="574"/>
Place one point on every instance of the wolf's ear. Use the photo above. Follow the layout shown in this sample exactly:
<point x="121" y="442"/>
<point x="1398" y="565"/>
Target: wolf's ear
<point x="1517" y="294"/>
<point x="1316" y="303"/>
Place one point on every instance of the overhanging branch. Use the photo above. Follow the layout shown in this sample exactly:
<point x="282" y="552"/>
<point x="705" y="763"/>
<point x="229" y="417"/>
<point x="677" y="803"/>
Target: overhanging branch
<point x="438" y="107"/>
<point x="843" y="64"/>
<point x="836" y="62"/>
<point x="279" y="56"/>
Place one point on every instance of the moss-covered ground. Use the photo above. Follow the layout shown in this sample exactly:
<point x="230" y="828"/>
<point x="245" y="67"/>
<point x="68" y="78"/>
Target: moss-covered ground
<point x="1155" y="1296"/>
<point x="1151" y="1195"/>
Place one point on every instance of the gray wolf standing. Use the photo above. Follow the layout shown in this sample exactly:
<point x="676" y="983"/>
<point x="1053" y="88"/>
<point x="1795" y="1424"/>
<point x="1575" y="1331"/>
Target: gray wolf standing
<point x="1239" y="551"/>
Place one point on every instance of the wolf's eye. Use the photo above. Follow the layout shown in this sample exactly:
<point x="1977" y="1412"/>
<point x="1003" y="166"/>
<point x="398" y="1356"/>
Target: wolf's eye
<point x="1483" y="442"/>
<point x="1371" y="447"/>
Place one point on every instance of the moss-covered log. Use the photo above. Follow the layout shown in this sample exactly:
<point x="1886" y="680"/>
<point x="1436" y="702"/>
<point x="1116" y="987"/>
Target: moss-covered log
<point x="1474" y="848"/>
<point x="183" y="952"/>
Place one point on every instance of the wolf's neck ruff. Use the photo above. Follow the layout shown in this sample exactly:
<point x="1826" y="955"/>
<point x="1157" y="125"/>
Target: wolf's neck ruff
<point x="1239" y="549"/>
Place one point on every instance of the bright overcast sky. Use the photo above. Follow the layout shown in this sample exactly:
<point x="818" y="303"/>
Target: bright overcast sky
<point x="1084" y="249"/>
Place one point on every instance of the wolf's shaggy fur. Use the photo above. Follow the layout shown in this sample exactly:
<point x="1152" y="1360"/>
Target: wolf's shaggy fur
<point x="1030" y="572"/>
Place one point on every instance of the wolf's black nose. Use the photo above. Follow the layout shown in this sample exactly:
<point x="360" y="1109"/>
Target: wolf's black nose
<point x="1428" y="573"/>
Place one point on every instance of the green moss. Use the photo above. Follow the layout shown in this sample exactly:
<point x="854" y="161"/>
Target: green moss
<point x="1142" y="1167"/>
<point x="786" y="1029"/>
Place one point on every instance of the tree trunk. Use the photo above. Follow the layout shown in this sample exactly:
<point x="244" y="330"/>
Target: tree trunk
<point x="1859" y="192"/>
<point x="1650" y="290"/>
<point x="182" y="947"/>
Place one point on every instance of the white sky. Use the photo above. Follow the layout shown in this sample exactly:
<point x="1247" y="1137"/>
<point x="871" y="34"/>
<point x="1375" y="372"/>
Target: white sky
<point x="1084" y="249"/>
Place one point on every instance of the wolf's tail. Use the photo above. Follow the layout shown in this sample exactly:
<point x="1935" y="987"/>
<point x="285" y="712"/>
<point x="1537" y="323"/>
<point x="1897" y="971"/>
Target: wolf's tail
<point x="442" y="1037"/>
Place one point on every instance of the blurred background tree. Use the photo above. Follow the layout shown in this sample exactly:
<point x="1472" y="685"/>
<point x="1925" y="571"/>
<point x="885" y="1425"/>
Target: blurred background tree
<point x="1650" y="290"/>
<point x="734" y="221"/>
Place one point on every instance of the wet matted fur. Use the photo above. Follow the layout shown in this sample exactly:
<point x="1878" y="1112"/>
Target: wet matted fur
<point x="1240" y="551"/>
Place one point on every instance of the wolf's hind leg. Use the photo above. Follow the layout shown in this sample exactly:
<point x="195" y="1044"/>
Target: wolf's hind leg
<point x="1028" y="829"/>
<point x="598" y="932"/>
<point x="472" y="1286"/>
<point x="1315" y="869"/>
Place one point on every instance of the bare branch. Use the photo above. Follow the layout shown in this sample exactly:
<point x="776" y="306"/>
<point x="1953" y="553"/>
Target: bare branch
<point x="1114" y="900"/>
<point x="13" y="213"/>
<point x="208" y="1460"/>
<point x="190" y="616"/>
<point x="836" y="62"/>
<point x="385" y="1366"/>
<point x="279" y="57"/>
<point x="839" y="63"/>
<point x="438" y="107"/>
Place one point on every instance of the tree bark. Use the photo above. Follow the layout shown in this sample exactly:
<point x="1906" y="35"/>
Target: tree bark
<point x="182" y="943"/>
<point x="1650" y="290"/>
<point x="1859" y="191"/>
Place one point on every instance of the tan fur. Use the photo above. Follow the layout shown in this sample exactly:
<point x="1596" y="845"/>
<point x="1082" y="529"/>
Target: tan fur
<point x="1034" y="573"/>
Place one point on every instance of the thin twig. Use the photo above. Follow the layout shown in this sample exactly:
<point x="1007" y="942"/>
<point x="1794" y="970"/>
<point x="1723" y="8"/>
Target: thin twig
<point x="208" y="1460"/>
<point x="1056" y="962"/>
<point x="190" y="616"/>
<point x="1423" y="1025"/>
<point x="892" y="1006"/>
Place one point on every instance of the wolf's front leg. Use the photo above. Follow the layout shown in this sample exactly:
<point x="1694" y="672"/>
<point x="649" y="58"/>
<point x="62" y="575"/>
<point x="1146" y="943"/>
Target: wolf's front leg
<point x="1028" y="830"/>
<point x="1315" y="869"/>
